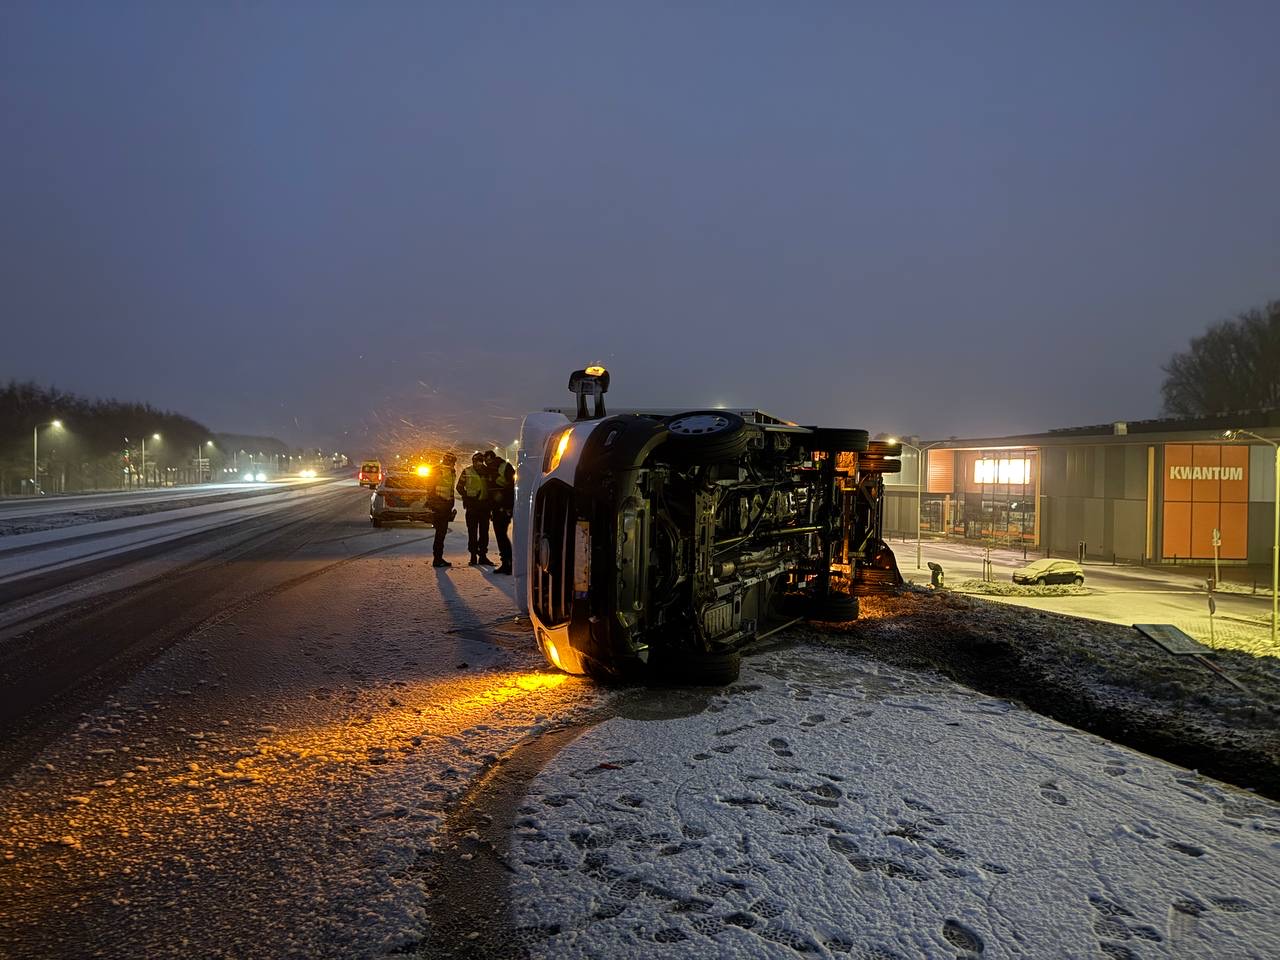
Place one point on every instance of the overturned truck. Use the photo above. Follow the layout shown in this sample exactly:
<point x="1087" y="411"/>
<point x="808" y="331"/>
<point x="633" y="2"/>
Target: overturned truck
<point x="653" y="545"/>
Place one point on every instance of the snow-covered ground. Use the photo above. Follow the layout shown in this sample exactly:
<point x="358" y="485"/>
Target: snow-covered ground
<point x="280" y="782"/>
<point x="830" y="805"/>
<point x="1112" y="593"/>
<point x="270" y="786"/>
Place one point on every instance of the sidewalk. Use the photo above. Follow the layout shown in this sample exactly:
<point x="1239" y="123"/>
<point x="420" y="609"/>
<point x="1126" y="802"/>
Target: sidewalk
<point x="1250" y="580"/>
<point x="1124" y="594"/>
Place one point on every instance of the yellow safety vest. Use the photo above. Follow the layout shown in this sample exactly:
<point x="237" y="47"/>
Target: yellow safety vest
<point x="444" y="482"/>
<point x="472" y="485"/>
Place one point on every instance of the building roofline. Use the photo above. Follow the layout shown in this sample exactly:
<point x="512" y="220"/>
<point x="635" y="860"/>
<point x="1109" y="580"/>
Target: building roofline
<point x="1164" y="430"/>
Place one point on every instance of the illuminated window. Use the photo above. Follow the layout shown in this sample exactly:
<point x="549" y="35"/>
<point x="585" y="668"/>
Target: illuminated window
<point x="1002" y="471"/>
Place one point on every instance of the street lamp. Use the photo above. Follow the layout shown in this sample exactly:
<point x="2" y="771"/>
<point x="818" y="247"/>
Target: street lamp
<point x="200" y="463"/>
<point x="1275" y="541"/>
<point x="919" y="472"/>
<point x="35" y="453"/>
<point x="154" y="436"/>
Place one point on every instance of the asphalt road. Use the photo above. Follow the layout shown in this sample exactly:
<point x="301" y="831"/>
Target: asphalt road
<point x="198" y="753"/>
<point x="17" y="507"/>
<point x="61" y="648"/>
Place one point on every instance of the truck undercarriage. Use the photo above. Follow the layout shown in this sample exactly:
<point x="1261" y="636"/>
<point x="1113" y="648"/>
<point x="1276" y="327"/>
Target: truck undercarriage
<point x="660" y="544"/>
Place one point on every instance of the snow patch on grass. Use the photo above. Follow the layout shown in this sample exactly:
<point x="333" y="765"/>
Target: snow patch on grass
<point x="999" y="589"/>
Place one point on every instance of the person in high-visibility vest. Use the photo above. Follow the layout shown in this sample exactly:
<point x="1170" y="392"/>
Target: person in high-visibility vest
<point x="474" y="490"/>
<point x="442" y="506"/>
<point x="502" y="501"/>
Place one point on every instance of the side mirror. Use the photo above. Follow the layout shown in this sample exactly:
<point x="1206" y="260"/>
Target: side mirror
<point x="590" y="381"/>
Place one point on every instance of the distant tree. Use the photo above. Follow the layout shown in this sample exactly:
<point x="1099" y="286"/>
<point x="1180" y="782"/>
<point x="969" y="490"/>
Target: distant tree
<point x="89" y="451"/>
<point x="1234" y="365"/>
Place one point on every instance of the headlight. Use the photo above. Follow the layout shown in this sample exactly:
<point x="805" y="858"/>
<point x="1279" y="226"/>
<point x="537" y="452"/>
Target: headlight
<point x="308" y="474"/>
<point x="556" y="453"/>
<point x="261" y="478"/>
<point x="248" y="478"/>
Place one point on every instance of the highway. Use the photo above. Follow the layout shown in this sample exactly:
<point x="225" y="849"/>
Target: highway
<point x="63" y="544"/>
<point x="19" y="507"/>
<point x="94" y="599"/>
<point x="214" y="683"/>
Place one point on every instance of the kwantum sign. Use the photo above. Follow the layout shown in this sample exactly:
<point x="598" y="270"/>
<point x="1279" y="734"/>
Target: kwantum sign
<point x="1182" y="472"/>
<point x="1206" y="489"/>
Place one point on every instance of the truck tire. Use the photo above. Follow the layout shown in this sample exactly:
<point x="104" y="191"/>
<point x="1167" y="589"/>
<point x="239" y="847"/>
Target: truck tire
<point x="873" y="464"/>
<point x="836" y="440"/>
<point x="704" y="436"/>
<point x="883" y="448"/>
<point x="695" y="668"/>
<point x="836" y="608"/>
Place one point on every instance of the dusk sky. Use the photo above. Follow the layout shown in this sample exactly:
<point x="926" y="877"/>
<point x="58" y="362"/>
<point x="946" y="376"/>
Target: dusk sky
<point x="310" y="219"/>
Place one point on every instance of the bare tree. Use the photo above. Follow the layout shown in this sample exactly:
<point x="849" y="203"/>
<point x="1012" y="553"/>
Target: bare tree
<point x="1234" y="365"/>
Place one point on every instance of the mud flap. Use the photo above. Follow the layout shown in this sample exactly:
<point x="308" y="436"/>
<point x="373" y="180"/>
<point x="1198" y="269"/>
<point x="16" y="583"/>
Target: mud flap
<point x="878" y="573"/>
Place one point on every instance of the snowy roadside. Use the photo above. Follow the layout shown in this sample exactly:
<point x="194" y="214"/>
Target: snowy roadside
<point x="1096" y="676"/>
<point x="833" y="806"/>
<point x="1122" y="594"/>
<point x="270" y="786"/>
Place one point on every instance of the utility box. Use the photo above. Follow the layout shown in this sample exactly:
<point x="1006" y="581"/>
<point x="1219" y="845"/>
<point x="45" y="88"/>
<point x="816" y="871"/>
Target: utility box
<point x="935" y="575"/>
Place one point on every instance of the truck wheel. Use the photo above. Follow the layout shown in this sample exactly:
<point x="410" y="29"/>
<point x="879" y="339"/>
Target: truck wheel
<point x="873" y="464"/>
<point x="835" y="608"/>
<point x="705" y="436"/>
<point x="695" y="668"/>
<point x="836" y="440"/>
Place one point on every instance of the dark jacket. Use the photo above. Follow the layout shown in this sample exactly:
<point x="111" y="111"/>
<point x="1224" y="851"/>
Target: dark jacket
<point x="502" y="487"/>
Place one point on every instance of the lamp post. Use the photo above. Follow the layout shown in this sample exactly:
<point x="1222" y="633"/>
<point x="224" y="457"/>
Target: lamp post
<point x="200" y="463"/>
<point x="154" y="436"/>
<point x="35" y="453"/>
<point x="919" y="473"/>
<point x="1275" y="541"/>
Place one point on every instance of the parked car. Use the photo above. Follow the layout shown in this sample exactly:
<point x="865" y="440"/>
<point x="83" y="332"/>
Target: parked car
<point x="402" y="495"/>
<point x="654" y="544"/>
<point x="370" y="473"/>
<point x="1050" y="571"/>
